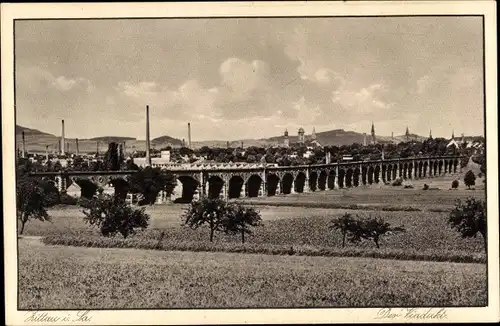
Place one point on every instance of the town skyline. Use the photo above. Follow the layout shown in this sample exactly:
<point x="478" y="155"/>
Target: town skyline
<point x="253" y="80"/>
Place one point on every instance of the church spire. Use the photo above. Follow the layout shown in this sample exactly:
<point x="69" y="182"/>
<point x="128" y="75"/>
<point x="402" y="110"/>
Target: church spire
<point x="430" y="134"/>
<point x="452" y="134"/>
<point x="407" y="134"/>
<point x="373" y="133"/>
<point x="313" y="136"/>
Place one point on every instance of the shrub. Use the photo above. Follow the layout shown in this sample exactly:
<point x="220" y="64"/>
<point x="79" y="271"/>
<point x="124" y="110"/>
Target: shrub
<point x="469" y="218"/>
<point x="397" y="182"/>
<point x="239" y="218"/>
<point x="149" y="182"/>
<point x="372" y="229"/>
<point x="454" y="184"/>
<point x="113" y="216"/>
<point x="66" y="199"/>
<point x="408" y="186"/>
<point x="480" y="175"/>
<point x="210" y="211"/>
<point x="31" y="201"/>
<point x="84" y="202"/>
<point x="344" y="224"/>
<point x="469" y="179"/>
<point x="426" y="186"/>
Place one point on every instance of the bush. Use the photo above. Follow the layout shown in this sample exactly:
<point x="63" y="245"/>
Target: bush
<point x="344" y="224"/>
<point x="454" y="184"/>
<point x="469" y="179"/>
<point x="112" y="216"/>
<point x="66" y="199"/>
<point x="84" y="202"/>
<point x="480" y="175"/>
<point x="469" y="218"/>
<point x="210" y="211"/>
<point x="372" y="229"/>
<point x="239" y="218"/>
<point x="408" y="186"/>
<point x="426" y="186"/>
<point x="397" y="182"/>
<point x="31" y="201"/>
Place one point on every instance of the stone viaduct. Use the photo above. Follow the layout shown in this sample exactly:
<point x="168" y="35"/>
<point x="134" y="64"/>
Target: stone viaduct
<point x="255" y="180"/>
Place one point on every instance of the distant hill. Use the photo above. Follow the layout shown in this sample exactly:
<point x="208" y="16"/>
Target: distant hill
<point x="164" y="141"/>
<point x="112" y="139"/>
<point x="28" y="131"/>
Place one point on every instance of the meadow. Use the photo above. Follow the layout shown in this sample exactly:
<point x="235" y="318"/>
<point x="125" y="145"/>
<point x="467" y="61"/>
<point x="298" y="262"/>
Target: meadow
<point x="91" y="278"/>
<point x="292" y="260"/>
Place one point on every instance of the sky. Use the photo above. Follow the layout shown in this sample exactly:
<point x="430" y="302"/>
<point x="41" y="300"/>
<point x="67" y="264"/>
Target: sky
<point x="250" y="77"/>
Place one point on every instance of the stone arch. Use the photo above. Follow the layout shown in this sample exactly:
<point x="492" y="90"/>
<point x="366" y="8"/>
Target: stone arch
<point x="440" y="167"/>
<point x="342" y="174"/>
<point x="322" y="180"/>
<point x="121" y="187"/>
<point x="355" y="175"/>
<point x="331" y="179"/>
<point x="348" y="178"/>
<point x="364" y="174"/>
<point x="371" y="171"/>
<point x="287" y="183"/>
<point x="376" y="174"/>
<point x="411" y="170"/>
<point x="445" y="166"/>
<point x="384" y="173"/>
<point x="235" y="187"/>
<point x="401" y="170"/>
<point x="405" y="171"/>
<point x="395" y="171"/>
<point x="300" y="181"/>
<point x="426" y="165"/>
<point x="389" y="172"/>
<point x="215" y="186"/>
<point x="435" y="168"/>
<point x="253" y="185"/>
<point x="420" y="168"/>
<point x="272" y="184"/>
<point x="313" y="180"/>
<point x="188" y="188"/>
<point x="455" y="165"/>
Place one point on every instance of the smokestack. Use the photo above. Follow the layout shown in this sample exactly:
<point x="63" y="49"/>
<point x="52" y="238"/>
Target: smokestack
<point x="189" y="135"/>
<point x="23" y="153"/>
<point x="77" y="148"/>
<point x="241" y="144"/>
<point x="47" y="152"/>
<point x="63" y="141"/>
<point x="148" y="155"/>
<point x="97" y="149"/>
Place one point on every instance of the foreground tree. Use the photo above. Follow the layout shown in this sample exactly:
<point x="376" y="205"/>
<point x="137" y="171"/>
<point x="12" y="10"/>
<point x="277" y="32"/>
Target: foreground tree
<point x="344" y="224"/>
<point x="469" y="179"/>
<point x="32" y="201"/>
<point x="239" y="219"/>
<point x="114" y="216"/>
<point x="149" y="182"/>
<point x="207" y="211"/>
<point x="374" y="228"/>
<point x="469" y="218"/>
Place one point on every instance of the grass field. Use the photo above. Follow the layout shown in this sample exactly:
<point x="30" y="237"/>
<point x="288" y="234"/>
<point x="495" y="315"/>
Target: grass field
<point x="87" y="278"/>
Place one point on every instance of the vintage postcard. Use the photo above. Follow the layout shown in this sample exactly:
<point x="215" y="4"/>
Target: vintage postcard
<point x="250" y="162"/>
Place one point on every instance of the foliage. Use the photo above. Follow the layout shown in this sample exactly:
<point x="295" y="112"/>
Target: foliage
<point x="469" y="218"/>
<point x="426" y="186"/>
<point x="149" y="182"/>
<point x="32" y="201"/>
<point x="68" y="200"/>
<point x="239" y="218"/>
<point x="454" y="184"/>
<point x="344" y="224"/>
<point x="371" y="228"/>
<point x="113" y="216"/>
<point x="207" y="211"/>
<point x="469" y="179"/>
<point x="51" y="194"/>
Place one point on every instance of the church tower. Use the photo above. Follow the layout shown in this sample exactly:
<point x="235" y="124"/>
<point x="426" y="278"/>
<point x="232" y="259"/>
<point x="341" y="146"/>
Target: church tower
<point x="313" y="136"/>
<point x="407" y="134"/>
<point x="301" y="135"/>
<point x="287" y="141"/>
<point x="374" y="140"/>
<point x="453" y="134"/>
<point x="430" y="134"/>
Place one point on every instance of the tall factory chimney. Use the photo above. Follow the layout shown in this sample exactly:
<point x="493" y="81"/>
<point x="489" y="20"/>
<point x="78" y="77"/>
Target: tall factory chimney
<point x="148" y="155"/>
<point x="23" y="153"/>
<point x="189" y="135"/>
<point x="77" y="148"/>
<point x="97" y="149"/>
<point x="47" y="152"/>
<point x="63" y="141"/>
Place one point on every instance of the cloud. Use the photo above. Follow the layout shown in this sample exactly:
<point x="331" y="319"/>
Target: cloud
<point x="34" y="79"/>
<point x="365" y="100"/>
<point x="306" y="114"/>
<point x="65" y="84"/>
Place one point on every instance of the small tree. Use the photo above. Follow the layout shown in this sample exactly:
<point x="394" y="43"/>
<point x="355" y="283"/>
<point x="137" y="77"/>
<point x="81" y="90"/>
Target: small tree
<point x="373" y="229"/>
<point x="454" y="184"/>
<point x="344" y="224"/>
<point x="32" y="201"/>
<point x="469" y="218"/>
<point x="149" y="182"/>
<point x="469" y="179"/>
<point x="113" y="216"/>
<point x="239" y="219"/>
<point x="210" y="211"/>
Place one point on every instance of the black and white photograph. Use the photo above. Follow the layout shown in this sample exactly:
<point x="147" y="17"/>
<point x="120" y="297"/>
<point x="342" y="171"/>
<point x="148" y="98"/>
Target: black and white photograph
<point x="250" y="162"/>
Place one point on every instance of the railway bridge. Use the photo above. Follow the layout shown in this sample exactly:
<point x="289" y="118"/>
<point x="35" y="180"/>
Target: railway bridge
<point x="258" y="180"/>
